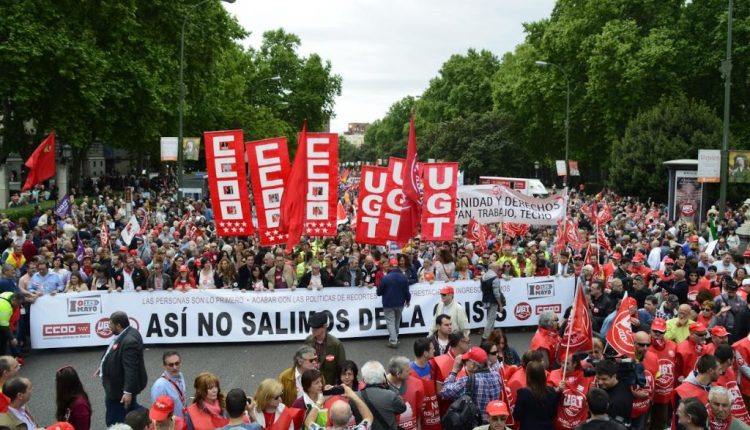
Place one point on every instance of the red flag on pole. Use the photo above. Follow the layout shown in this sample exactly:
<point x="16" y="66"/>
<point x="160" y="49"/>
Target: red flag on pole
<point x="478" y="233"/>
<point x="578" y="334"/>
<point x="293" y="199"/>
<point x="410" y="216"/>
<point x="41" y="164"/>
<point x="620" y="336"/>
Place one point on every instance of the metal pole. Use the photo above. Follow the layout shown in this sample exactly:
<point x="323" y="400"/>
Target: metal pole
<point x="726" y="70"/>
<point x="567" y="129"/>
<point x="181" y="108"/>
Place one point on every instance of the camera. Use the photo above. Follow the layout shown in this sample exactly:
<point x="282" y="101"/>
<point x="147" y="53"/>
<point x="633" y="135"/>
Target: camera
<point x="628" y="371"/>
<point x="334" y="391"/>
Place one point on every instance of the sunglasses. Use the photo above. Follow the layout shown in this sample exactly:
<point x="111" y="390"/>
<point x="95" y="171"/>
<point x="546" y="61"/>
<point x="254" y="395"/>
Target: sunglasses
<point x="279" y="396"/>
<point x="707" y="309"/>
<point x="657" y="332"/>
<point x="644" y="344"/>
<point x="311" y="360"/>
<point x="493" y="352"/>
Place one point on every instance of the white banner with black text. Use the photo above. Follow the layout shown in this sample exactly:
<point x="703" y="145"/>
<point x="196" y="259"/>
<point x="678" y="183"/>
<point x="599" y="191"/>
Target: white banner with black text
<point x="206" y="316"/>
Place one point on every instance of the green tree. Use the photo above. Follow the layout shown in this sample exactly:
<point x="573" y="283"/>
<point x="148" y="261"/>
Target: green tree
<point x="675" y="128"/>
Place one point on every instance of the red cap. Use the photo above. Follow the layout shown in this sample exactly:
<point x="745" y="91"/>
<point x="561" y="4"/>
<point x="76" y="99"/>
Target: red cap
<point x="719" y="331"/>
<point x="62" y="425"/>
<point x="617" y="256"/>
<point x="497" y="408"/>
<point x="123" y="248"/>
<point x="184" y="268"/>
<point x="447" y="290"/>
<point x="133" y="252"/>
<point x="659" y="324"/>
<point x="162" y="407"/>
<point x="476" y="354"/>
<point x="697" y="328"/>
<point x="668" y="261"/>
<point x="393" y="262"/>
<point x="694" y="238"/>
<point x="746" y="253"/>
<point x="638" y="258"/>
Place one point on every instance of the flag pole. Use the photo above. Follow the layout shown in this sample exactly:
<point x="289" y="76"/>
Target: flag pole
<point x="570" y="332"/>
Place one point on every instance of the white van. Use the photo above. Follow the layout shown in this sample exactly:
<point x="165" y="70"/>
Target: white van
<point x="528" y="187"/>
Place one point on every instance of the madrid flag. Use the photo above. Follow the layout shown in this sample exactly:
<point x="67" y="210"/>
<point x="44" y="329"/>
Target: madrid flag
<point x="41" y="164"/>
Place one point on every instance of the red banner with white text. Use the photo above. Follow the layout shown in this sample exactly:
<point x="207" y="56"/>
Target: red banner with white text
<point x="439" y="201"/>
<point x="321" y="197"/>
<point x="268" y="162"/>
<point x="390" y="216"/>
<point x="372" y="192"/>
<point x="225" y="163"/>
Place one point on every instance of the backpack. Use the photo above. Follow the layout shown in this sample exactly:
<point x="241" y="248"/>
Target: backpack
<point x="463" y="413"/>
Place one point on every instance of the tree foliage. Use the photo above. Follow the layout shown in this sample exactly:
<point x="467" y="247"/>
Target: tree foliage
<point x="108" y="71"/>
<point x="673" y="129"/>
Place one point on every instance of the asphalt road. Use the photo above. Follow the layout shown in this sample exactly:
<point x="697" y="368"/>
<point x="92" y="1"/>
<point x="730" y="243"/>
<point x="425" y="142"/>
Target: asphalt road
<point x="237" y="365"/>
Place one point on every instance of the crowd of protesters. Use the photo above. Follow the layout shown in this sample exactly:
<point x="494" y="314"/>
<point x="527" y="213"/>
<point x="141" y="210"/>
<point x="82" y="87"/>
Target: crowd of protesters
<point x="686" y="287"/>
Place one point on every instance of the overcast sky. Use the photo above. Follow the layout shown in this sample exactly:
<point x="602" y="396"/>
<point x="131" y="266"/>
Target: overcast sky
<point x="385" y="50"/>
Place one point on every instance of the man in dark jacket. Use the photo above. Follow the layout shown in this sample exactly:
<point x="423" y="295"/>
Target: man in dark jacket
<point x="598" y="401"/>
<point x="329" y="349"/>
<point x="349" y="275"/>
<point x="122" y="369"/>
<point x="394" y="289"/>
<point x="130" y="277"/>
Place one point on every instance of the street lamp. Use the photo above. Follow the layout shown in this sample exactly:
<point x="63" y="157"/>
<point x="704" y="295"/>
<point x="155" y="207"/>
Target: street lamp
<point x="180" y="159"/>
<point x="726" y="70"/>
<point x="567" y="112"/>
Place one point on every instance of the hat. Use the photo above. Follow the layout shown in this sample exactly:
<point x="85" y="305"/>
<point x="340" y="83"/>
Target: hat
<point x="447" y="290"/>
<point x="532" y="243"/>
<point x="617" y="256"/>
<point x="659" y="324"/>
<point x="719" y="331"/>
<point x="123" y="248"/>
<point x="673" y="299"/>
<point x="668" y="261"/>
<point x="162" y="407"/>
<point x="318" y="320"/>
<point x="638" y="258"/>
<point x="497" y="408"/>
<point x="520" y="251"/>
<point x="184" y="268"/>
<point x="476" y="354"/>
<point x="697" y="328"/>
<point x="62" y="425"/>
<point x="393" y="262"/>
<point x="746" y="253"/>
<point x="694" y="238"/>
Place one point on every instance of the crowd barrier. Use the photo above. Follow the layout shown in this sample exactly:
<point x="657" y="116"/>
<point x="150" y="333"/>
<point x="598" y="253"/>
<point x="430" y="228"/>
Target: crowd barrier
<point x="206" y="316"/>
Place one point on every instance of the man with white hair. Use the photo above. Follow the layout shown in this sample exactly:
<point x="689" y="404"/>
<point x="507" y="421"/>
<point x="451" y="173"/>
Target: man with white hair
<point x="341" y="413"/>
<point x="410" y="388"/>
<point x="720" y="411"/>
<point x="385" y="403"/>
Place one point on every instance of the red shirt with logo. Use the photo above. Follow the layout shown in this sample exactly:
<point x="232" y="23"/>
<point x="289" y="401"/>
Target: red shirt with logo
<point x="662" y="359"/>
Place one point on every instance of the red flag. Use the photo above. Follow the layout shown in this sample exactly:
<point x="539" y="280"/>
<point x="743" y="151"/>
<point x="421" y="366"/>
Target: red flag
<point x="513" y="230"/>
<point x="605" y="215"/>
<point x="341" y="217"/>
<point x="409" y="225"/>
<point x="478" y="233"/>
<point x="41" y="164"/>
<point x="620" y="336"/>
<point x="293" y="199"/>
<point x="578" y="333"/>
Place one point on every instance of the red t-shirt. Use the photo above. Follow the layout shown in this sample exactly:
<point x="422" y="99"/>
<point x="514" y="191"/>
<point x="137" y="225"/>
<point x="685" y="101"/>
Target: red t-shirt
<point x="269" y="417"/>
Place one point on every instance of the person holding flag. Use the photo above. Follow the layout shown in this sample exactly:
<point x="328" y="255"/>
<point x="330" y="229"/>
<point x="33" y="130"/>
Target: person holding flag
<point x="661" y="356"/>
<point x="572" y="409"/>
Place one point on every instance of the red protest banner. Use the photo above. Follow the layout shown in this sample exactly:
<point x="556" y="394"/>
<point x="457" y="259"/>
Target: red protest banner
<point x="322" y="184"/>
<point x="268" y="162"/>
<point x="439" y="201"/>
<point x="372" y="190"/>
<point x="390" y="216"/>
<point x="225" y="162"/>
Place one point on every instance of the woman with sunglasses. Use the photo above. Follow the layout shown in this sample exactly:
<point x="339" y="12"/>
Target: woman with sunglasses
<point x="506" y="353"/>
<point x="73" y="404"/>
<point x="269" y="407"/>
<point x="706" y="315"/>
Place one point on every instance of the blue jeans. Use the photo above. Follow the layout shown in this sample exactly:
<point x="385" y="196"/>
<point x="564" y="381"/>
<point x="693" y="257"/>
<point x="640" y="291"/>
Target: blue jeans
<point x="115" y="411"/>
